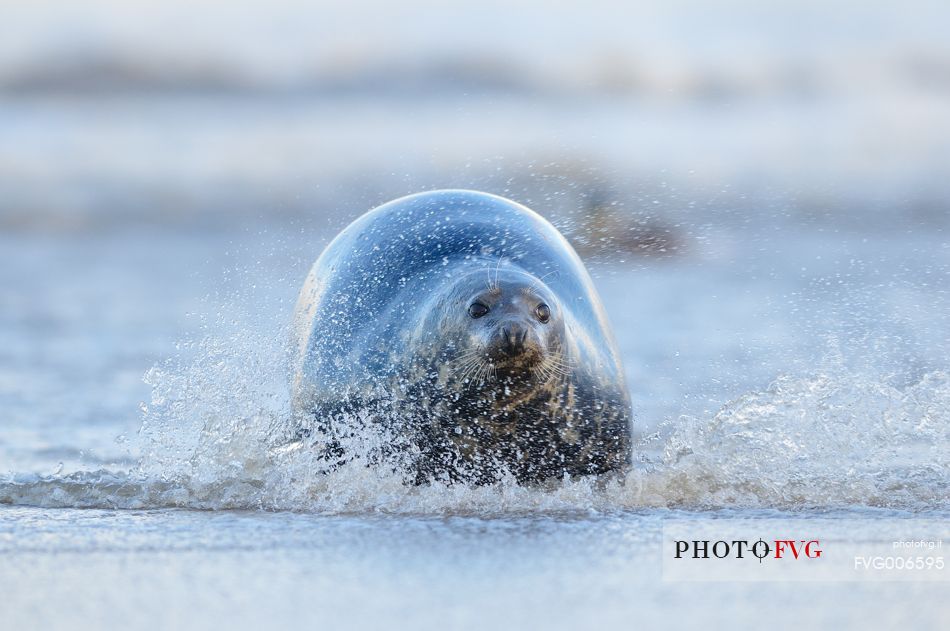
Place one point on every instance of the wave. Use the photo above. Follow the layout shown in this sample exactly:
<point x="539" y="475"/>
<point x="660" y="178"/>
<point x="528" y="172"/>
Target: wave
<point x="819" y="441"/>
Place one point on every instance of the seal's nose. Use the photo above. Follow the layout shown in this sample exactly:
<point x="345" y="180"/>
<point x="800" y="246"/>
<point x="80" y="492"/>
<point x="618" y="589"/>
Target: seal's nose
<point x="512" y="337"/>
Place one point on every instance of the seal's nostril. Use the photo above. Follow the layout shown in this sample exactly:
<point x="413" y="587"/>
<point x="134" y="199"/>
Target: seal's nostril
<point x="512" y="338"/>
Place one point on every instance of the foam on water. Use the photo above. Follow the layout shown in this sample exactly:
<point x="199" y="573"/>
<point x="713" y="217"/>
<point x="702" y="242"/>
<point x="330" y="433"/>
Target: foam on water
<point x="826" y="440"/>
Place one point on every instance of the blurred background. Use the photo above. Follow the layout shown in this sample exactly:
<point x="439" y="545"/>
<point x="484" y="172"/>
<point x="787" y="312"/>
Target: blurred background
<point x="759" y="188"/>
<point x="212" y="113"/>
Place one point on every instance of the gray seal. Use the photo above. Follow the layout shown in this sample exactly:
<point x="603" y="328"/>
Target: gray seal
<point x="463" y="329"/>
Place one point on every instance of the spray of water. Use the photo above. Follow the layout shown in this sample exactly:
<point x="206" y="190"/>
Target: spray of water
<point x="819" y="441"/>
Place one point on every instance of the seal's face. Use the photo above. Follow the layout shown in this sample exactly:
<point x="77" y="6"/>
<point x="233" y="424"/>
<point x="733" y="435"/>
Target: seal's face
<point x="512" y="326"/>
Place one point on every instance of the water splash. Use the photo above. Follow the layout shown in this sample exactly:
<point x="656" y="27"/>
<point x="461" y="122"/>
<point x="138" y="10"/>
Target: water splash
<point x="822" y="441"/>
<point x="826" y="440"/>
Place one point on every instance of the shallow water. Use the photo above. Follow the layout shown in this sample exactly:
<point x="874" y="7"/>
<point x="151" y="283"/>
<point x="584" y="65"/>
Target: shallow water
<point x="808" y="373"/>
<point x="804" y="379"/>
<point x="188" y="569"/>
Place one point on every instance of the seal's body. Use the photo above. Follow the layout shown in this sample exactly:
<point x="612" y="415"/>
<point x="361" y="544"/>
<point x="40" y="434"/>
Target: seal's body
<point x="466" y="326"/>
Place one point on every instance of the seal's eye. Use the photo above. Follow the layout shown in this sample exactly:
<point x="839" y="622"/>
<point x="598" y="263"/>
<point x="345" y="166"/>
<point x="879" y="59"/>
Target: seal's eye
<point x="477" y="310"/>
<point x="543" y="312"/>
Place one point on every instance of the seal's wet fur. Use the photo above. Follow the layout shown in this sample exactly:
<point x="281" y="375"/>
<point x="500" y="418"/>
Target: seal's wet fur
<point x="388" y="338"/>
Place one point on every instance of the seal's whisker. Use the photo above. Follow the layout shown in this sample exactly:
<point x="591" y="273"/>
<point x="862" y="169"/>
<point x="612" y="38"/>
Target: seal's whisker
<point x="561" y="367"/>
<point x="486" y="372"/>
<point x="477" y="378"/>
<point x="540" y="373"/>
<point x="489" y="372"/>
<point x="467" y="364"/>
<point x="462" y="361"/>
<point x="544" y="371"/>
<point x="560" y="360"/>
<point x="471" y="370"/>
<point x="465" y="370"/>
<point x="494" y="286"/>
<point x="562" y="371"/>
<point x="536" y="284"/>
<point x="554" y="366"/>
<point x="477" y="374"/>
<point x="469" y="354"/>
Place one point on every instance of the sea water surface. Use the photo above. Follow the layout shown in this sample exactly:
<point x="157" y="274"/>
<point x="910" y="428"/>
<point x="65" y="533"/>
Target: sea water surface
<point x="800" y="377"/>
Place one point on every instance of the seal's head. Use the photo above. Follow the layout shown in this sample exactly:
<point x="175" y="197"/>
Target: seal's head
<point x="509" y="326"/>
